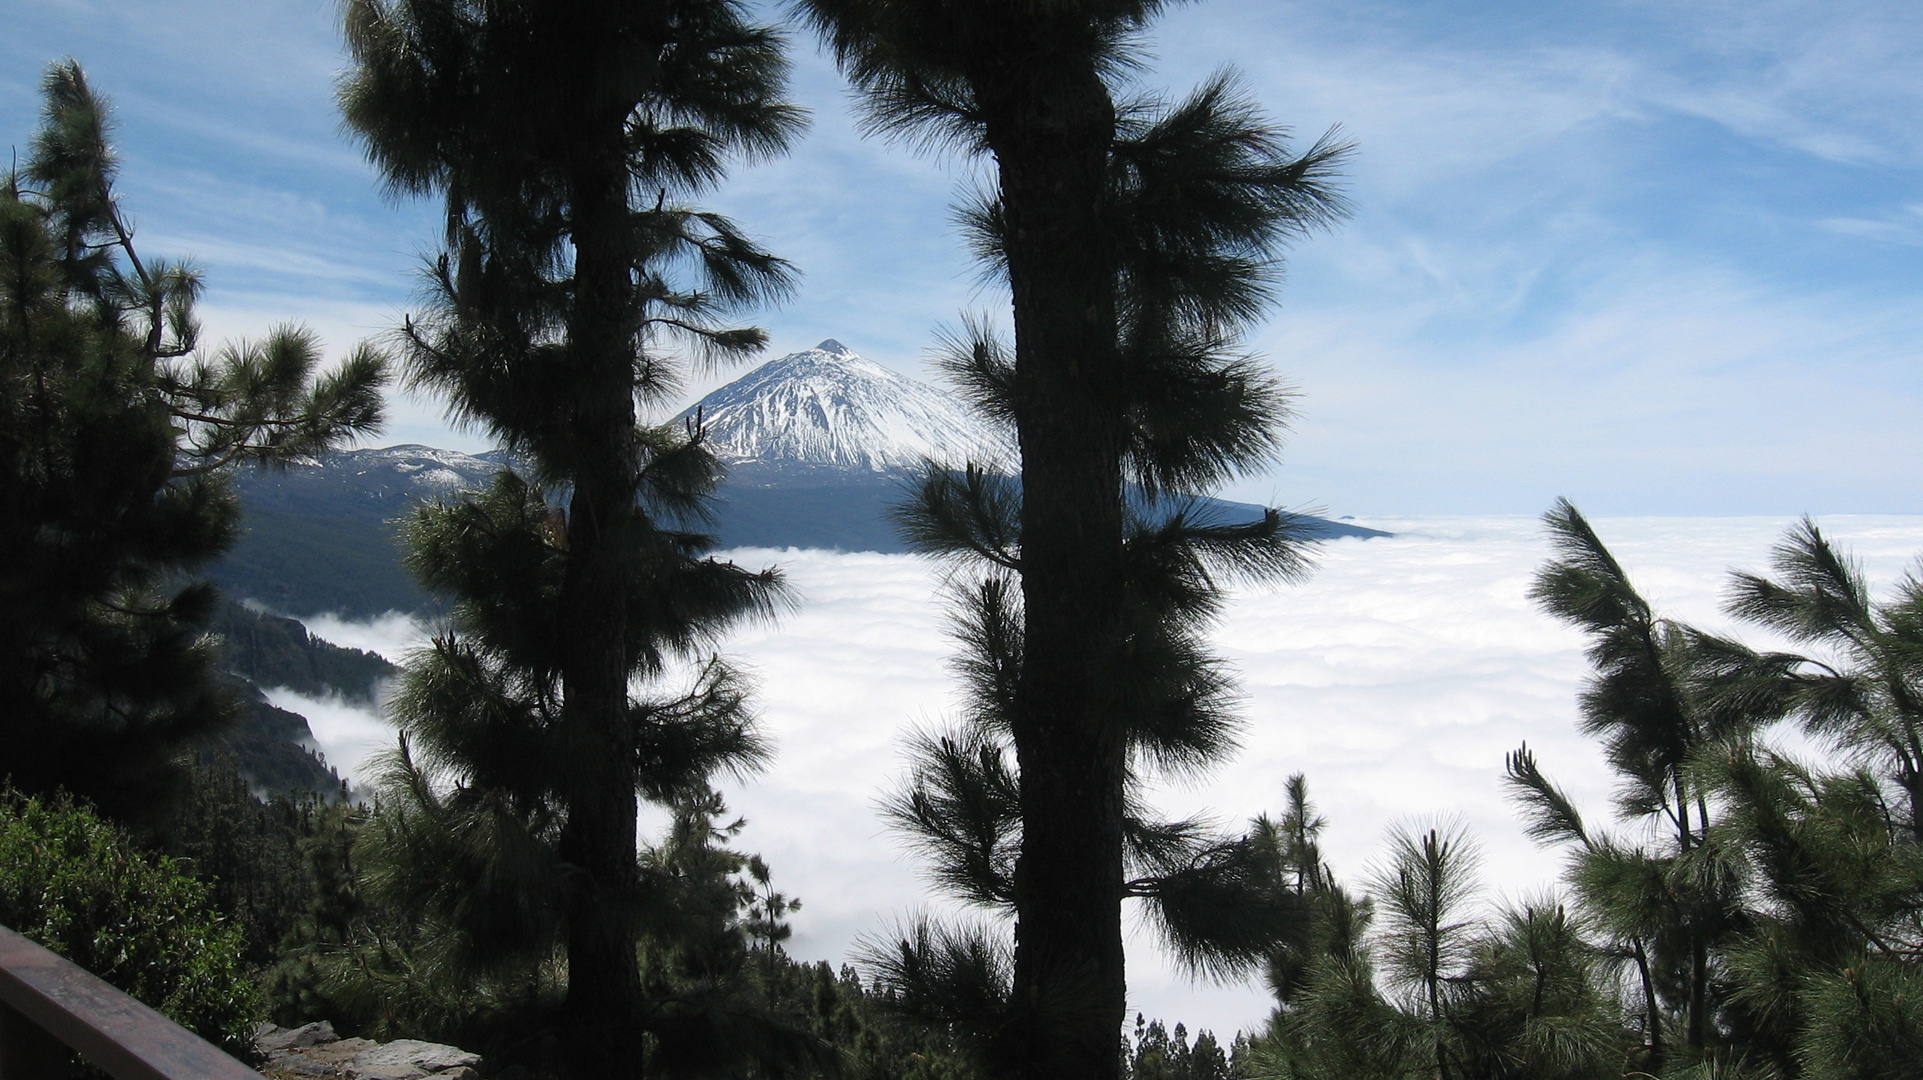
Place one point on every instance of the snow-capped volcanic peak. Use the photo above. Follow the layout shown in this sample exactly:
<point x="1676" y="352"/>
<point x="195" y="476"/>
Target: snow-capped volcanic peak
<point x="827" y="406"/>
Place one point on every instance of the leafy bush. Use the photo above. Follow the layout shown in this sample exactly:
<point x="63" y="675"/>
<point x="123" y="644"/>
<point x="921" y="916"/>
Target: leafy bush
<point x="78" y="885"/>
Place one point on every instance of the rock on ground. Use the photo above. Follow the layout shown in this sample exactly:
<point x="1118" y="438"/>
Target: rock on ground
<point x="315" y="1052"/>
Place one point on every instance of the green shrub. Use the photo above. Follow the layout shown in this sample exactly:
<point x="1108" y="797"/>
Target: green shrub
<point x="78" y="885"/>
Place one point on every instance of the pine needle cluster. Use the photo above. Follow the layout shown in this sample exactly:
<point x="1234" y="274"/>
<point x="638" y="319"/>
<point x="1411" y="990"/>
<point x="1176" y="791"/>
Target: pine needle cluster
<point x="117" y="428"/>
<point x="565" y="142"/>
<point x="1138" y="240"/>
<point x="1748" y="912"/>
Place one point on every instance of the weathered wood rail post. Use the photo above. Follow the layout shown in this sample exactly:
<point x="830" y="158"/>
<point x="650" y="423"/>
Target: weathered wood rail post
<point x="47" y="1001"/>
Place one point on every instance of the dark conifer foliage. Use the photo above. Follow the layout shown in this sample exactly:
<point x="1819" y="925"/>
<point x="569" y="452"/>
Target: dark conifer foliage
<point x="248" y="852"/>
<point x="115" y="425"/>
<point x="1869" y="700"/>
<point x="1416" y="979"/>
<point x="1673" y="902"/>
<point x="563" y="138"/>
<point x="862" y="1021"/>
<point x="1156" y="1053"/>
<point x="1765" y="911"/>
<point x="1138" y="238"/>
<point x="1747" y="913"/>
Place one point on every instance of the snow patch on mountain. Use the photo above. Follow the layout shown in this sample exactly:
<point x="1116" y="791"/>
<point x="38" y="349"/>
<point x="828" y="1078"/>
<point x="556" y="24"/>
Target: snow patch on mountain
<point x="408" y="471"/>
<point x="829" y="406"/>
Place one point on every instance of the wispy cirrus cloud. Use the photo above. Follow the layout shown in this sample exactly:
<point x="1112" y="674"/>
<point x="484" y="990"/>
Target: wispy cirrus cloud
<point x="1674" y="389"/>
<point x="1577" y="265"/>
<point x="1903" y="225"/>
<point x="1570" y="218"/>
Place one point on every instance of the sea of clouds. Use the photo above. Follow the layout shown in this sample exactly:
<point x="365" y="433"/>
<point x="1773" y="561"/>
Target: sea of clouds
<point x="1396" y="678"/>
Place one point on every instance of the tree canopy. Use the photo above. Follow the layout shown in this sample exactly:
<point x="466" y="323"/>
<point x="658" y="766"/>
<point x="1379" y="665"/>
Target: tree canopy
<point x="1138" y="239"/>
<point x="116" y="428"/>
<point x="563" y="140"/>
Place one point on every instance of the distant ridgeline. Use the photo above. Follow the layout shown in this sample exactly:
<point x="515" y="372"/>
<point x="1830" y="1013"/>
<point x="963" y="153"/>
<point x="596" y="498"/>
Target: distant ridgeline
<point x="272" y="744"/>
<point x="819" y="445"/>
<point x="322" y="537"/>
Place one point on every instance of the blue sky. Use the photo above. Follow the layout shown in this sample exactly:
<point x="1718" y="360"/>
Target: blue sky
<point x="1661" y="258"/>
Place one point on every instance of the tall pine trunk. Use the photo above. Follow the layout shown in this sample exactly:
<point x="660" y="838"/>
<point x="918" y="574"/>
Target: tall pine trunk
<point x="1050" y="126"/>
<point x="598" y="840"/>
<point x="537" y="121"/>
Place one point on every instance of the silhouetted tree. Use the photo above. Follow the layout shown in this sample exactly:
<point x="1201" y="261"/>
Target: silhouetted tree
<point x="1137" y="239"/>
<point x="1870" y="699"/>
<point x="561" y="138"/>
<point x="1748" y="914"/>
<point x="1650" y="702"/>
<point x="1156" y="1053"/>
<point x="767" y="919"/>
<point x="469" y="848"/>
<point x="1773" y="915"/>
<point x="116" y="427"/>
<point x="1411" y="981"/>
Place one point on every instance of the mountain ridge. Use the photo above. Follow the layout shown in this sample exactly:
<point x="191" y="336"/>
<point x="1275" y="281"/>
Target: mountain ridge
<point x="819" y="445"/>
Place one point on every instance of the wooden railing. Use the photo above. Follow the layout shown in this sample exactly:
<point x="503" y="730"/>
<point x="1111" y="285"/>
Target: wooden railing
<point x="46" y="1001"/>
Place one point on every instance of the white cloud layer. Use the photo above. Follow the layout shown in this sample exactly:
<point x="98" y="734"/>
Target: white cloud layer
<point x="346" y="733"/>
<point x="1397" y="678"/>
<point x="389" y="636"/>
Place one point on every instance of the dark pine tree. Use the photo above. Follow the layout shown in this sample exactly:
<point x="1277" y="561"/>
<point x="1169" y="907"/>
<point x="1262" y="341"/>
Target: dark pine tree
<point x="1871" y="699"/>
<point x="1673" y="901"/>
<point x="561" y="136"/>
<point x="116" y="429"/>
<point x="1137" y="239"/>
<point x="1765" y="907"/>
<point x="469" y="848"/>
<point x="1752" y="911"/>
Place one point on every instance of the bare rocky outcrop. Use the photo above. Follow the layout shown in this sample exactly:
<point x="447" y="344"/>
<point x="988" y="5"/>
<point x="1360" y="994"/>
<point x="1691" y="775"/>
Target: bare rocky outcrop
<point x="315" y="1052"/>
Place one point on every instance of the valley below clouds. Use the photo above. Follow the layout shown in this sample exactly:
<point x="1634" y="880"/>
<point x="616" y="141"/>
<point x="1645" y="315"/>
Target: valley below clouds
<point x="1396" y="678"/>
